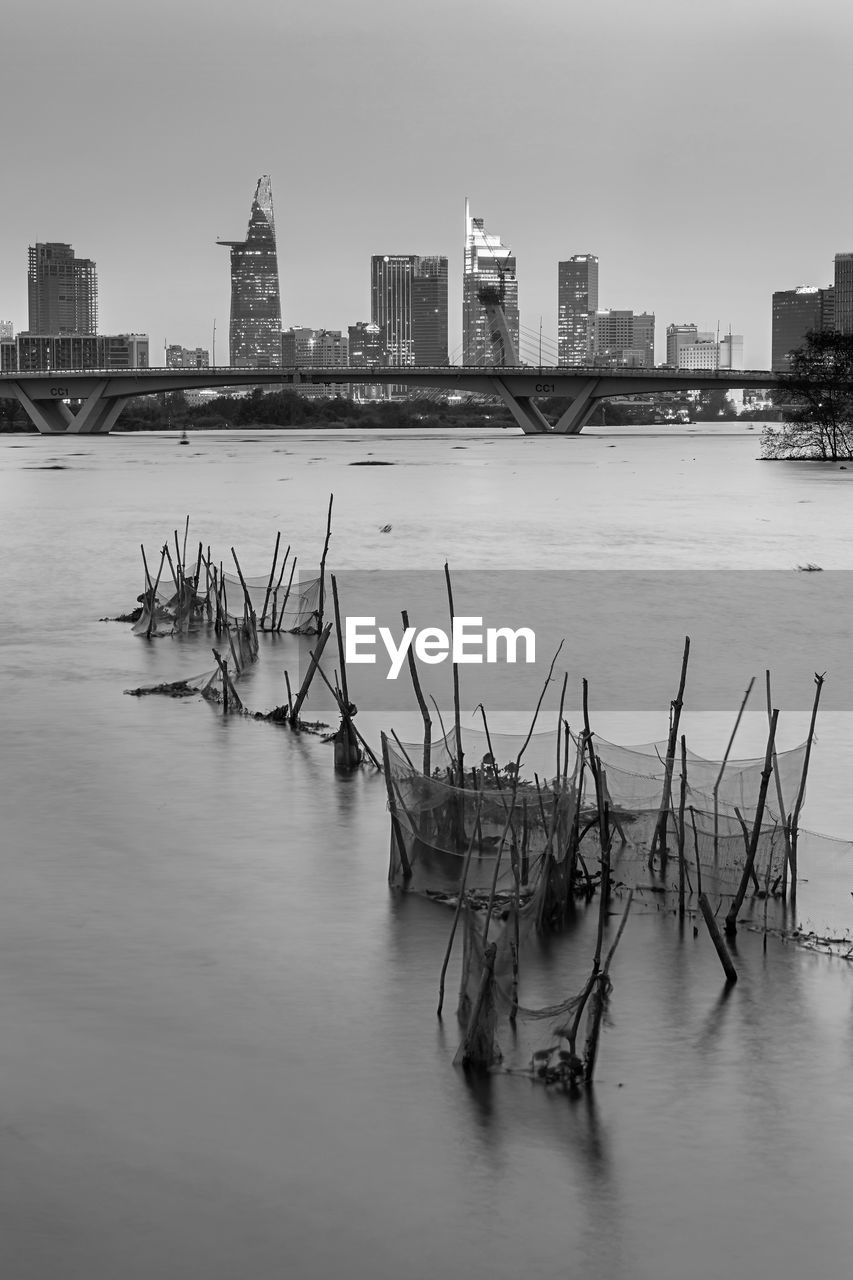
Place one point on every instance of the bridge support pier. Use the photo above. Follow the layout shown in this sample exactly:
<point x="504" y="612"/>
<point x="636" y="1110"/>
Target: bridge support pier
<point x="96" y="415"/>
<point x="572" y="421"/>
<point x="528" y="415"/>
<point x="532" y="420"/>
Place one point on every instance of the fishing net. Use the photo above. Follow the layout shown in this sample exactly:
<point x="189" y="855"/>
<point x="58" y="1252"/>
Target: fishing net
<point x="240" y="650"/>
<point x="447" y="838"/>
<point x="280" y="606"/>
<point x="436" y="821"/>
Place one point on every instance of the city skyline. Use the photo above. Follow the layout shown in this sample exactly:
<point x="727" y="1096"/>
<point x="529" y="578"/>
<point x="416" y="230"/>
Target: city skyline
<point x="699" y="226"/>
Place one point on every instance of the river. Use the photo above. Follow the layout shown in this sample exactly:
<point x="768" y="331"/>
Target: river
<point x="220" y="1054"/>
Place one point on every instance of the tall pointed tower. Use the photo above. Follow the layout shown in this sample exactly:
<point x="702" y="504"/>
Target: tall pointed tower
<point x="255" y="329"/>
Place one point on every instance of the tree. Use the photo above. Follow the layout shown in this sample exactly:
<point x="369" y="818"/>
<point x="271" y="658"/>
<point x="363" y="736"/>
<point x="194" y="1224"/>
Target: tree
<point x="817" y="392"/>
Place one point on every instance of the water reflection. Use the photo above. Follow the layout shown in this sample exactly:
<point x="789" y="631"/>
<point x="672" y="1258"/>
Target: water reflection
<point x="215" y="1006"/>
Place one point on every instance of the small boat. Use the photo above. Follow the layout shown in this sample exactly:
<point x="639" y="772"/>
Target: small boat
<point x="184" y="438"/>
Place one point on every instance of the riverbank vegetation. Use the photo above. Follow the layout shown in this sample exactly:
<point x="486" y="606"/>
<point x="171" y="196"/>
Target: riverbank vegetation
<point x="816" y="397"/>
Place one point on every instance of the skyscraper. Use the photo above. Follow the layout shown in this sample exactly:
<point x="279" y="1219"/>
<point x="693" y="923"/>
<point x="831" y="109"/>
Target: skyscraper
<point x="255" y="329"/>
<point x="624" y="340"/>
<point x="429" y="311"/>
<point x="391" y="304"/>
<point x="489" y="272"/>
<point x="408" y="303"/>
<point x="844" y="293"/>
<point x="690" y="348"/>
<point x="797" y="312"/>
<point x="577" y="300"/>
<point x="62" y="290"/>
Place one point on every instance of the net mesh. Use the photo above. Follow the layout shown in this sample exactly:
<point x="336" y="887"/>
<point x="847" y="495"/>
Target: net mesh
<point x="533" y="818"/>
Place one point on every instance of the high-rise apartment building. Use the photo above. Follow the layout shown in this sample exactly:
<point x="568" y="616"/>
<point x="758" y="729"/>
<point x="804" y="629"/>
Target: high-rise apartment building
<point x="366" y="348"/>
<point x="408" y="303"/>
<point x="62" y="291"/>
<point x="844" y="293"/>
<point x="306" y="348"/>
<point x="681" y="343"/>
<point x="429" y="311"/>
<point x="624" y="340"/>
<point x="48" y="352"/>
<point x="690" y="348"/>
<point x="391" y="304"/>
<point x="797" y="312"/>
<point x="255" y="328"/>
<point x="577" y="301"/>
<point x="366" y="351"/>
<point x="488" y="274"/>
<point x="186" y="358"/>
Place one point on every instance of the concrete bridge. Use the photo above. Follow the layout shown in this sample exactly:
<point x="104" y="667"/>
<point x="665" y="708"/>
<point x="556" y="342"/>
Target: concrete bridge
<point x="100" y="394"/>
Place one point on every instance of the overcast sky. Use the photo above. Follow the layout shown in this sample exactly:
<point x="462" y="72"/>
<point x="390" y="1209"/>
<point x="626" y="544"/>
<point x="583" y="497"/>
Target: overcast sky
<point x="702" y="151"/>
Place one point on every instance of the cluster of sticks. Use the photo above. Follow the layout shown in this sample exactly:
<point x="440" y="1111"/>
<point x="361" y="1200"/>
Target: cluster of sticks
<point x="556" y="1064"/>
<point x="790" y="819"/>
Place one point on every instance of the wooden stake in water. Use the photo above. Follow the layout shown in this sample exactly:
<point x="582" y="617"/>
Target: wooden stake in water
<point x="780" y="799"/>
<point x="416" y="685"/>
<point x="323" y="565"/>
<point x="457" y="725"/>
<point x="717" y="939"/>
<point x="272" y="575"/>
<point x="795" y="817"/>
<point x="659" y="838"/>
<point x="681" y="799"/>
<point x="725" y="762"/>
<point x="731" y="917"/>
<point x="459" y="902"/>
<point x="309" y="675"/>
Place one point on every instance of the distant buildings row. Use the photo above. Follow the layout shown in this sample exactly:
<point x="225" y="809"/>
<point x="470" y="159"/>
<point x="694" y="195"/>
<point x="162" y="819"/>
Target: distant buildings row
<point x="62" y="296"/>
<point x="409" y="308"/>
<point x="797" y="312"/>
<point x="408" y="314"/>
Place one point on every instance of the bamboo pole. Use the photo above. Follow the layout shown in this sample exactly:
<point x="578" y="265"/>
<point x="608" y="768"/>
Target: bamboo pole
<point x="171" y="566"/>
<point x="681" y="799"/>
<point x="416" y="685"/>
<point x="489" y="952"/>
<point x="459" y="903"/>
<point x="696" y="849"/>
<point x="795" y="817"/>
<point x="341" y="648"/>
<point x="600" y="997"/>
<point x="145" y="566"/>
<point x="508" y="823"/>
<point x="309" y="675"/>
<point x="247" y="599"/>
<point x="272" y="575"/>
<point x="726" y="759"/>
<point x="659" y="837"/>
<point x="560" y="724"/>
<point x="323" y="565"/>
<point x="276" y="587"/>
<point x="395" y="824"/>
<point x="731" y="917"/>
<point x="717" y="939"/>
<point x="780" y="799"/>
<point x="456" y="715"/>
<point x="153" y="605"/>
<point x="287" y="593"/>
<point x="344" y="710"/>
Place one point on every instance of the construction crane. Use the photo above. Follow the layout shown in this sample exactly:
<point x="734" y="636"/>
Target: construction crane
<point x="492" y="297"/>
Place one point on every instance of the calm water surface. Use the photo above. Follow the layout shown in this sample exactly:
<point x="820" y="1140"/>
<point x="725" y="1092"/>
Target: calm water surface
<point x="220" y="1055"/>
